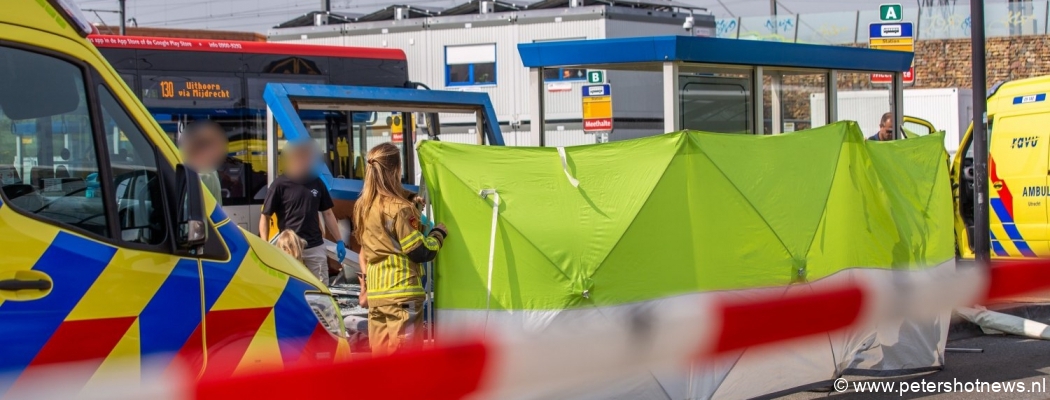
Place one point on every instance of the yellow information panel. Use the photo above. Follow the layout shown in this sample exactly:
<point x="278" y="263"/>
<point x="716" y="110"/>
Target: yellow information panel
<point x="892" y="36"/>
<point x="597" y="108"/>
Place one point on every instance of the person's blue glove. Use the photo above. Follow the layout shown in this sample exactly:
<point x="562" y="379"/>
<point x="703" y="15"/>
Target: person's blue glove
<point x="340" y="251"/>
<point x="427" y="224"/>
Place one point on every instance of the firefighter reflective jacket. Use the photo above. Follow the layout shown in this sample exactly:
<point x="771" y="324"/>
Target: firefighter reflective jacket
<point x="394" y="246"/>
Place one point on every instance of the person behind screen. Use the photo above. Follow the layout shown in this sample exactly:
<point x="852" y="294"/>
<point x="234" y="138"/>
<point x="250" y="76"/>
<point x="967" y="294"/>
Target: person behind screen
<point x="296" y="197"/>
<point x="886" y="130"/>
<point x="388" y="226"/>
<point x="204" y="148"/>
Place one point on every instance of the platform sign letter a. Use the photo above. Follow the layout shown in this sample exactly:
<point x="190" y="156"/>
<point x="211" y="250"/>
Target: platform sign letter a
<point x="890" y="12"/>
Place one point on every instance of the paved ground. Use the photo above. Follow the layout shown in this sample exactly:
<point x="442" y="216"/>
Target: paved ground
<point x="1005" y="359"/>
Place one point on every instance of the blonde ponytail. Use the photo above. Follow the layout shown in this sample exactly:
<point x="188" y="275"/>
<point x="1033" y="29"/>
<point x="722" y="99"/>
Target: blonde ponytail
<point x="382" y="183"/>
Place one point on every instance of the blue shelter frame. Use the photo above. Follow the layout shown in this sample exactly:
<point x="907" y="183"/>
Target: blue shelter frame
<point x="677" y="56"/>
<point x="285" y="100"/>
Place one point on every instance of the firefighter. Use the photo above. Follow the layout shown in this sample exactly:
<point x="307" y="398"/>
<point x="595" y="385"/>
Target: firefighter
<point x="392" y="246"/>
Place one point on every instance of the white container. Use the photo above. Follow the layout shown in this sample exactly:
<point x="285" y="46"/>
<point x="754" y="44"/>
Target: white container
<point x="949" y="110"/>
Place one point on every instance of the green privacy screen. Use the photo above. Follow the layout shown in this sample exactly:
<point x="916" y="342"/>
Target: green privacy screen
<point x="682" y="212"/>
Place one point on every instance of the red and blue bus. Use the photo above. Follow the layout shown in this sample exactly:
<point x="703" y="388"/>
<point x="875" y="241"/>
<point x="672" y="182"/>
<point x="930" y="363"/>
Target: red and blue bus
<point x="182" y="80"/>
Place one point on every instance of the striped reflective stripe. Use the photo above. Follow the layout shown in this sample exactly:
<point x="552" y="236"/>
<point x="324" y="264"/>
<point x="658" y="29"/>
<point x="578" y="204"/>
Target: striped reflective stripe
<point x="1011" y="230"/>
<point x="408" y="241"/>
<point x="432" y="243"/>
<point x="395" y="293"/>
<point x="392" y="276"/>
<point x="998" y="247"/>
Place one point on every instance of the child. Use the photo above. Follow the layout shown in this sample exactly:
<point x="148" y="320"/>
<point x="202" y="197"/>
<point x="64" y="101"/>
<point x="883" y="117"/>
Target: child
<point x="392" y="247"/>
<point x="291" y="243"/>
<point x="296" y="197"/>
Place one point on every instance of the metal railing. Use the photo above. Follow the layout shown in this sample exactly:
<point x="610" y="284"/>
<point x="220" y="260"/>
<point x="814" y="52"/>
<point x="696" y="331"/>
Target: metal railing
<point x="1002" y="19"/>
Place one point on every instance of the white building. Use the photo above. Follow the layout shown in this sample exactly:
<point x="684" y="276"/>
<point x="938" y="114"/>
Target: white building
<point x="474" y="47"/>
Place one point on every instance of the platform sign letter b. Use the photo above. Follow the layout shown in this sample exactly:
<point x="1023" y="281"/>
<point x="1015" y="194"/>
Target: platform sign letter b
<point x="890" y="12"/>
<point x="595" y="76"/>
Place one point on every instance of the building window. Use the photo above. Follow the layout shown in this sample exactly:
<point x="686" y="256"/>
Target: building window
<point x="470" y="65"/>
<point x="564" y="74"/>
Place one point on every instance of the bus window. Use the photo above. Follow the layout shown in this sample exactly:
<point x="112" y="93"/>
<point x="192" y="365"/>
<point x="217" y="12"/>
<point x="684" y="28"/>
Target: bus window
<point x="251" y="147"/>
<point x="177" y="100"/>
<point x="372" y="128"/>
<point x="47" y="151"/>
<point x="182" y="85"/>
<point x="130" y="80"/>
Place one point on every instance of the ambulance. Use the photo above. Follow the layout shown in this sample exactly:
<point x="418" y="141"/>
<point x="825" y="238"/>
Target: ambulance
<point x="1018" y="169"/>
<point x="113" y="255"/>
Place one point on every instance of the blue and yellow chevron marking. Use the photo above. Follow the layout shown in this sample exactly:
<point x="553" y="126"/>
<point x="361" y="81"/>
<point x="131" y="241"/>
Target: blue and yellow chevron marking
<point x="1011" y="229"/>
<point x="73" y="263"/>
<point x="998" y="247"/>
<point x="187" y="309"/>
<point x="218" y="274"/>
<point x="293" y="330"/>
<point x="166" y="324"/>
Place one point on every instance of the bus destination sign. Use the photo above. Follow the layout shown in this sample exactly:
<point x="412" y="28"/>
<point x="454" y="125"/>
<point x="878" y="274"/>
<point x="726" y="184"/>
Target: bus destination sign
<point x="193" y="90"/>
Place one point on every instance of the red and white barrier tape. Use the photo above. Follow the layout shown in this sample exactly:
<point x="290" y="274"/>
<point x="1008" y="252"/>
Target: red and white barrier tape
<point x="671" y="332"/>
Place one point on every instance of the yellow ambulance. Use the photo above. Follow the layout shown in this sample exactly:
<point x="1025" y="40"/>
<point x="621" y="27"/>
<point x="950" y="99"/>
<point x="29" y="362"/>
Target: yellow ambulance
<point x="111" y="249"/>
<point x="1018" y="170"/>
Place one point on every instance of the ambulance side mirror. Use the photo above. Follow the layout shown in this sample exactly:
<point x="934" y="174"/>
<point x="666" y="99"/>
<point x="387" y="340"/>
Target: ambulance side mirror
<point x="191" y="228"/>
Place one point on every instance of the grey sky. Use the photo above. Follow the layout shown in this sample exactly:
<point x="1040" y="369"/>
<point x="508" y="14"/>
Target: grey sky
<point x="260" y="15"/>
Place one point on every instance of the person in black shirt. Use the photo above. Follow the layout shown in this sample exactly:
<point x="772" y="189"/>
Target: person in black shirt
<point x="296" y="197"/>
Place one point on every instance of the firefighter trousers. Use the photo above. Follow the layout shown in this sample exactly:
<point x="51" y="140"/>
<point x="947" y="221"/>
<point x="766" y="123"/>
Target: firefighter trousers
<point x="394" y="327"/>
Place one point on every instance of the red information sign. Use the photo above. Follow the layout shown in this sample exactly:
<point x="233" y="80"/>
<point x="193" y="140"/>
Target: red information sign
<point x="909" y="77"/>
<point x="597" y="124"/>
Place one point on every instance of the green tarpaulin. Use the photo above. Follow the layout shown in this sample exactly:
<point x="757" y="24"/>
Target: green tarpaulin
<point x="681" y="213"/>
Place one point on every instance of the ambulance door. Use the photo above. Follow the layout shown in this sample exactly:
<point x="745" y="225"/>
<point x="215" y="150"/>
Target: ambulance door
<point x="89" y="271"/>
<point x="1017" y="169"/>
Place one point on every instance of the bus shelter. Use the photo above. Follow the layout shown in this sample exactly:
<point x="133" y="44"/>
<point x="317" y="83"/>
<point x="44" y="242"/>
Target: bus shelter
<point x="668" y="83"/>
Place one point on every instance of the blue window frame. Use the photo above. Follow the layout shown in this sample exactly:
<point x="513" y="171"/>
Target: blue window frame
<point x="470" y="65"/>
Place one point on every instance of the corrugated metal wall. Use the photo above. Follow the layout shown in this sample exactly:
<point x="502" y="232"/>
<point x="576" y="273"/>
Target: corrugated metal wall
<point x="425" y="50"/>
<point x="326" y="41"/>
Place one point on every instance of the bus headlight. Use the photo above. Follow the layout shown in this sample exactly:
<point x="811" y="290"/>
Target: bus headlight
<point x="327" y="312"/>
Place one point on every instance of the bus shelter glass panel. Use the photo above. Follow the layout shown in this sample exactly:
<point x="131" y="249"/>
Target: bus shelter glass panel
<point x="786" y="96"/>
<point x="860" y="100"/>
<point x="578" y="112"/>
<point x="827" y="28"/>
<point x="716" y="100"/>
<point x="779" y="28"/>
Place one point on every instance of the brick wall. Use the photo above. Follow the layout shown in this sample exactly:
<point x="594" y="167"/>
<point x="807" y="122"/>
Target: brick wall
<point x="946" y="63"/>
<point x="938" y="64"/>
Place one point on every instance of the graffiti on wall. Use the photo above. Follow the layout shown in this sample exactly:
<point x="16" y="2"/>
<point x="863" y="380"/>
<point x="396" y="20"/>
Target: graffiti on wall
<point x="726" y="28"/>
